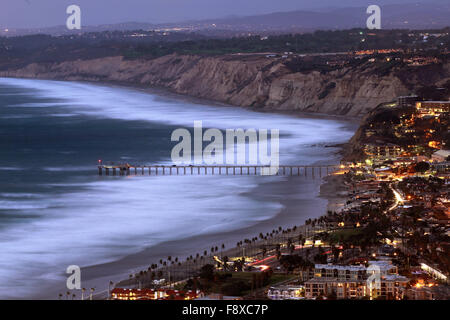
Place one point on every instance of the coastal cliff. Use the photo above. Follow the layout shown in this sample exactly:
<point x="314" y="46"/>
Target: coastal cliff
<point x="256" y="82"/>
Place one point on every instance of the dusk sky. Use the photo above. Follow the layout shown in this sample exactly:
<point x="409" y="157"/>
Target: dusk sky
<point x="45" y="13"/>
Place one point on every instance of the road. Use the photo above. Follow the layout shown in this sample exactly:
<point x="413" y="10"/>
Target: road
<point x="398" y="199"/>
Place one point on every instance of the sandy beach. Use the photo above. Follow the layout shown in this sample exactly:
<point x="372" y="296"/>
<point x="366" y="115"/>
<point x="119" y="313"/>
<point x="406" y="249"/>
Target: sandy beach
<point x="333" y="189"/>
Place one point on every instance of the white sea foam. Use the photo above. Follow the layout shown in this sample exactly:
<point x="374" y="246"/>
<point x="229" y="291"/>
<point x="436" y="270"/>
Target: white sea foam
<point x="23" y="205"/>
<point x="66" y="169"/>
<point x="19" y="195"/>
<point x="17" y="116"/>
<point x="129" y="104"/>
<point x="10" y="168"/>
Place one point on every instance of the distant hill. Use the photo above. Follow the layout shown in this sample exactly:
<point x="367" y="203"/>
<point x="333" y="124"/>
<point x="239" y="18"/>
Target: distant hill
<point x="408" y="16"/>
<point x="413" y="16"/>
<point x="62" y="30"/>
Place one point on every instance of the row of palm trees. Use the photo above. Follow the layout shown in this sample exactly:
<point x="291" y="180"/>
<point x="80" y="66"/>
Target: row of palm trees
<point x="71" y="296"/>
<point x="173" y="269"/>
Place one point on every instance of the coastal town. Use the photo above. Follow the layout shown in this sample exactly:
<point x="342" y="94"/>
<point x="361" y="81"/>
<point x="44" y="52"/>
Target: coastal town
<point x="385" y="235"/>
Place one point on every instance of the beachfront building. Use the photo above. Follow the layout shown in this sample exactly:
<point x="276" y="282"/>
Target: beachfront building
<point x="151" y="294"/>
<point x="432" y="108"/>
<point x="430" y="291"/>
<point x="392" y="287"/>
<point x="406" y="101"/>
<point x="341" y="289"/>
<point x="350" y="282"/>
<point x="435" y="273"/>
<point x="383" y="152"/>
<point x="218" y="296"/>
<point x="440" y="156"/>
<point x="420" y="293"/>
<point x="385" y="267"/>
<point x="286" y="292"/>
<point x="330" y="271"/>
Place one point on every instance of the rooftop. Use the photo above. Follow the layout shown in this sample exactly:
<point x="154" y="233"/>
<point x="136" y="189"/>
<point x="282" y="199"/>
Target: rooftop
<point x="337" y="267"/>
<point x="442" y="153"/>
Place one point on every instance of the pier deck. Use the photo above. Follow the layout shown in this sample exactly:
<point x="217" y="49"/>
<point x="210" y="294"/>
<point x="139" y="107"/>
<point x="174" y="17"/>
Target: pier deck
<point x="290" y="170"/>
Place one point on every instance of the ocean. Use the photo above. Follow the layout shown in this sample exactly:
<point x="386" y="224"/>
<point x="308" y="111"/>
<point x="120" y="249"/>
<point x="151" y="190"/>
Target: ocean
<point x="56" y="211"/>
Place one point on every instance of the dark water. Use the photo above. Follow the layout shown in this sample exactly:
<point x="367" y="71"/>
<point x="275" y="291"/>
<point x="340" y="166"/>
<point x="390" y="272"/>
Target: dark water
<point x="54" y="209"/>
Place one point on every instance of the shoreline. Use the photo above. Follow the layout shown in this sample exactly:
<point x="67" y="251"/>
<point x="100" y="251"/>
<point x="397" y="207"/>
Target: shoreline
<point x="167" y="92"/>
<point x="334" y="191"/>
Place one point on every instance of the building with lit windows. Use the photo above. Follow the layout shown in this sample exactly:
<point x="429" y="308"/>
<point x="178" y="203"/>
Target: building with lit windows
<point x="432" y="108"/>
<point x="350" y="282"/>
<point x="392" y="287"/>
<point x="286" y="292"/>
<point x="342" y="289"/>
<point x="330" y="271"/>
<point x="440" y="156"/>
<point x="154" y="294"/>
<point x="383" y="152"/>
<point x="428" y="291"/>
<point x="406" y="101"/>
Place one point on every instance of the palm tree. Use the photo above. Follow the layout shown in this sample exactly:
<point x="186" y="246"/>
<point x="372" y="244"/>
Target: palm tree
<point x="300" y="238"/>
<point x="131" y="277"/>
<point x="225" y="263"/>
